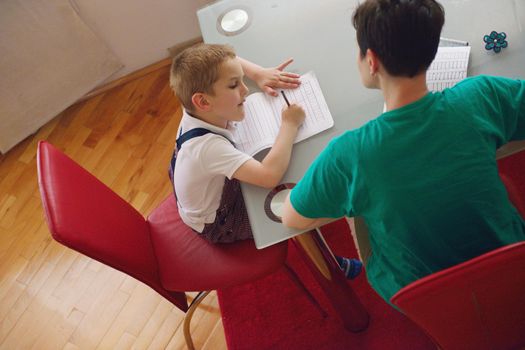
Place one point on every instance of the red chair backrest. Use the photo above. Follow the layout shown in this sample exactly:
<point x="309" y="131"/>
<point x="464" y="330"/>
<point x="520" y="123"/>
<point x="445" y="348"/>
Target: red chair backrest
<point x="513" y="192"/>
<point x="478" y="304"/>
<point x="512" y="172"/>
<point x="87" y="216"/>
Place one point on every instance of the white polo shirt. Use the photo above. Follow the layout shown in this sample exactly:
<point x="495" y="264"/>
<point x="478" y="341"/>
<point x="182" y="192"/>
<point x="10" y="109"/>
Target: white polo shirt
<point x="203" y="163"/>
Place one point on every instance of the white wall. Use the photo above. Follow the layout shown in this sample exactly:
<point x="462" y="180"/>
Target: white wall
<point x="139" y="32"/>
<point x="49" y="58"/>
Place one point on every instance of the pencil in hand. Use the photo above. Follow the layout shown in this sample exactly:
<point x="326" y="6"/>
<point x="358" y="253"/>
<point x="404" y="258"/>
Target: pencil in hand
<point x="285" y="99"/>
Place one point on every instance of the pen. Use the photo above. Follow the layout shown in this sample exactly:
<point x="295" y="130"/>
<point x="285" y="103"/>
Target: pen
<point x="454" y="41"/>
<point x="287" y="102"/>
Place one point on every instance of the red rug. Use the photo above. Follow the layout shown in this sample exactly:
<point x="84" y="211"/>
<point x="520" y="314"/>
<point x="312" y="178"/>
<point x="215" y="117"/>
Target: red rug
<point x="273" y="313"/>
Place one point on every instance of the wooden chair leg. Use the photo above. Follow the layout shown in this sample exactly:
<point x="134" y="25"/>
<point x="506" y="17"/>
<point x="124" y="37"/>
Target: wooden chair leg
<point x="189" y="314"/>
<point x="299" y="283"/>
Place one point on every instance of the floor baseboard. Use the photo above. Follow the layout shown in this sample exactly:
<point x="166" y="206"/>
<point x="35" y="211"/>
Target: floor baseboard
<point x="173" y="51"/>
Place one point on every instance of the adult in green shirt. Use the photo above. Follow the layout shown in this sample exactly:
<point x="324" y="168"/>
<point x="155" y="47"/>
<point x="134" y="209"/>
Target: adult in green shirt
<point x="423" y="175"/>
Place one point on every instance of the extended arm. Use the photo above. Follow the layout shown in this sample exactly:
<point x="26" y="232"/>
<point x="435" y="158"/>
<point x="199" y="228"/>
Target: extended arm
<point x="269" y="172"/>
<point x="292" y="218"/>
<point x="321" y="196"/>
<point x="270" y="78"/>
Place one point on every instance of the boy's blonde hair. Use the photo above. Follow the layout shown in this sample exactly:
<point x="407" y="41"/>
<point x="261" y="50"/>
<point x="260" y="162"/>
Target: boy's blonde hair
<point x="196" y="69"/>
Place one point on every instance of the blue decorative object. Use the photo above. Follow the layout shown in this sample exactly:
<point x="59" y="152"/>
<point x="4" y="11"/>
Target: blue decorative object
<point x="495" y="41"/>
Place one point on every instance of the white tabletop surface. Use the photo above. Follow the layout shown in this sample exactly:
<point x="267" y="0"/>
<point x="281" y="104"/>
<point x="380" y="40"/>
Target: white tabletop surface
<point x="320" y="37"/>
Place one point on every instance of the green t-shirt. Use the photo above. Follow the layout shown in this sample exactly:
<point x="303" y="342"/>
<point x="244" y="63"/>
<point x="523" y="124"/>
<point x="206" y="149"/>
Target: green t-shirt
<point x="425" y="179"/>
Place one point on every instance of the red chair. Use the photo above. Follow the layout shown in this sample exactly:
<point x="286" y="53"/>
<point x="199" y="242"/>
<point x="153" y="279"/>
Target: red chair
<point x="512" y="172"/>
<point x="478" y="304"/>
<point x="162" y="252"/>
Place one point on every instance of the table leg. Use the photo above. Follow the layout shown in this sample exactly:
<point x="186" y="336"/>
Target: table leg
<point x="321" y="262"/>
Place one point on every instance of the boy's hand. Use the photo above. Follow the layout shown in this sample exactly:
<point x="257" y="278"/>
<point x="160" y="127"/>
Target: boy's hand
<point x="269" y="79"/>
<point x="293" y="115"/>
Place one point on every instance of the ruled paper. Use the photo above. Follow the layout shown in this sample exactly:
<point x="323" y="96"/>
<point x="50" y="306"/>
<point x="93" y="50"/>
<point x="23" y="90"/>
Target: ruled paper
<point x="263" y="116"/>
<point x="448" y="68"/>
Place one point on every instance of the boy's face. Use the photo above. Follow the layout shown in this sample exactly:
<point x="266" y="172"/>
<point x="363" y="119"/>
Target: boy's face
<point x="229" y="92"/>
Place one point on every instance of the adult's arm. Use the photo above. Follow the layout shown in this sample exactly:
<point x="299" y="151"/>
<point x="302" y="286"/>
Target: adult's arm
<point x="291" y="218"/>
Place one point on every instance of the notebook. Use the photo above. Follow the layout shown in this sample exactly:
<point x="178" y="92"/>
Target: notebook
<point x="262" y="119"/>
<point x="448" y="68"/>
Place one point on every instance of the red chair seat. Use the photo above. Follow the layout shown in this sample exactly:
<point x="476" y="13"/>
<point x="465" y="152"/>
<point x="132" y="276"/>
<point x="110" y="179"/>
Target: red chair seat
<point x="199" y="265"/>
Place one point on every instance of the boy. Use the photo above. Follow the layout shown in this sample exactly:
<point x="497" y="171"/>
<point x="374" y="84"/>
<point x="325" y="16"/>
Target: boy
<point x="423" y="174"/>
<point x="208" y="79"/>
<point x="206" y="167"/>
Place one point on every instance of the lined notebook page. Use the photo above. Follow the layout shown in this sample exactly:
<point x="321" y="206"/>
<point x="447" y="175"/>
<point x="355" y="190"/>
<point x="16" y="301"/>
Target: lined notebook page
<point x="449" y="67"/>
<point x="263" y="116"/>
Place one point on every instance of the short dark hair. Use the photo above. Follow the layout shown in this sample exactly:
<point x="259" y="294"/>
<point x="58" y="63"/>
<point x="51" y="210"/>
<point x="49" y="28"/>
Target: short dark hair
<point x="404" y="34"/>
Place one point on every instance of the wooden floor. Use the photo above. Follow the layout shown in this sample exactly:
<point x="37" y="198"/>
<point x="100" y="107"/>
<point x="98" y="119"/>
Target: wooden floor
<point x="54" y="298"/>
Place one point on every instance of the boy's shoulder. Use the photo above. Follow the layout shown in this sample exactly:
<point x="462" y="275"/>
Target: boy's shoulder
<point x="484" y="80"/>
<point x="347" y="142"/>
<point x="189" y="123"/>
<point x="198" y="139"/>
<point x="482" y="88"/>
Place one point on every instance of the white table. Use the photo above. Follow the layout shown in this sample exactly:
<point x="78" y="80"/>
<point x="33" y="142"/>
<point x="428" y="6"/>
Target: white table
<point x="320" y="36"/>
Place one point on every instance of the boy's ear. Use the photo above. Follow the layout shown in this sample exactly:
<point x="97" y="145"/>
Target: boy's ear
<point x="200" y="101"/>
<point x="372" y="61"/>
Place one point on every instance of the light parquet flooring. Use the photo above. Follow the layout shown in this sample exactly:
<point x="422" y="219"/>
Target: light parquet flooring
<point x="54" y="298"/>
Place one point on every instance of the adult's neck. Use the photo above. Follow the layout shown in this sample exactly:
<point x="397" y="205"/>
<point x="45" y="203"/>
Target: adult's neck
<point x="401" y="91"/>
